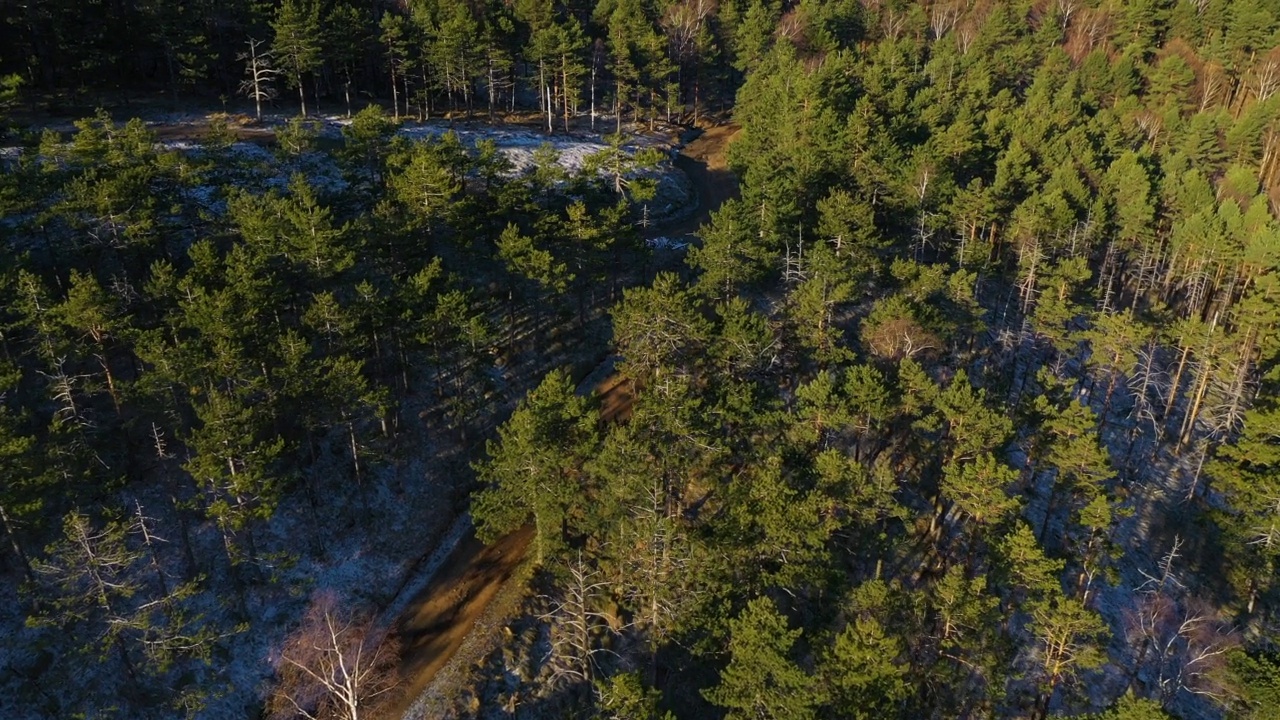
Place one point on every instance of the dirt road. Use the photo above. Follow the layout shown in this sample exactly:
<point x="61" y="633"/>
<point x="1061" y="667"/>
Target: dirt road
<point x="703" y="160"/>
<point x="438" y="621"/>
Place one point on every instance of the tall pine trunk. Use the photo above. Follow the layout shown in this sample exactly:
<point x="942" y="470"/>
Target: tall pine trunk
<point x="395" y="94"/>
<point x="564" y="88"/>
<point x="302" y="95"/>
<point x="13" y="543"/>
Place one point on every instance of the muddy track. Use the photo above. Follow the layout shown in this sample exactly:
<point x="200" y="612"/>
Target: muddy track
<point x="438" y="620"/>
<point x="704" y="160"/>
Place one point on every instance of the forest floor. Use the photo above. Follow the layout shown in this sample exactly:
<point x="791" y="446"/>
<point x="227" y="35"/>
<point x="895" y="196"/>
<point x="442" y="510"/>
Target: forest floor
<point x="453" y="601"/>
<point x="517" y="137"/>
<point x="436" y="629"/>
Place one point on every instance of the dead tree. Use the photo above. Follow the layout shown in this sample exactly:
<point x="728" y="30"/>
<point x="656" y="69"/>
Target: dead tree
<point x="338" y="664"/>
<point x="575" y="624"/>
<point x="259" y="74"/>
<point x="1148" y="384"/>
<point x="1182" y="647"/>
<point x="655" y="566"/>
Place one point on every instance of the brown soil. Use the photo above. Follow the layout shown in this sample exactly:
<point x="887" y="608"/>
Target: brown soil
<point x="438" y="620"/>
<point x="615" y="399"/>
<point x="242" y="128"/>
<point x="703" y="160"/>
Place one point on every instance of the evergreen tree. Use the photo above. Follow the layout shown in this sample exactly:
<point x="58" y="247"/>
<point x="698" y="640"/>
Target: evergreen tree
<point x="534" y="468"/>
<point x="761" y="680"/>
<point x="863" y="673"/>
<point x="1070" y="641"/>
<point x="297" y="42"/>
<point x="658" y="330"/>
<point x="234" y="461"/>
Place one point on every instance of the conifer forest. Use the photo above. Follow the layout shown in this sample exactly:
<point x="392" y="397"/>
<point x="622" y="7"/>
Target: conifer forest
<point x="639" y="359"/>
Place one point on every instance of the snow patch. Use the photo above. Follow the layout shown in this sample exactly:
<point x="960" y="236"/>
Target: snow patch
<point x="666" y="243"/>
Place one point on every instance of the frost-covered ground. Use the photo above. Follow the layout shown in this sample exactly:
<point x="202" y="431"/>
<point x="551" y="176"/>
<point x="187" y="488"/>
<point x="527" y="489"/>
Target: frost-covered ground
<point x="517" y="143"/>
<point x="180" y="132"/>
<point x="253" y="165"/>
<point x="1153" y="484"/>
<point x="407" y="510"/>
<point x="404" y="512"/>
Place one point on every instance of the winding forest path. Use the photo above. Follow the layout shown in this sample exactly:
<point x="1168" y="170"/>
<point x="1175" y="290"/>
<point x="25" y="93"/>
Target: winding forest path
<point x="438" y="620"/>
<point x="436" y="625"/>
<point x="705" y="161"/>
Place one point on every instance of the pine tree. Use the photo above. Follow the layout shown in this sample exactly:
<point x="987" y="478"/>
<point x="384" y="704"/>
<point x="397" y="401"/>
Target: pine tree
<point x="365" y="144"/>
<point x="1082" y="463"/>
<point x="523" y="258"/>
<point x="744" y="342"/>
<point x="297" y="42"/>
<point x="454" y="52"/>
<point x="1070" y="639"/>
<point x="637" y="57"/>
<point x="313" y="240"/>
<point x="23" y="496"/>
<point x="829" y="281"/>
<point x="91" y="313"/>
<point x="761" y="680"/>
<point x="534" y="468"/>
<point x="820" y="411"/>
<point x="966" y="619"/>
<point x="1057" y="302"/>
<point x="777" y="531"/>
<point x="1023" y="565"/>
<point x="731" y="256"/>
<point x="396" y="36"/>
<point x="349" y="35"/>
<point x="624" y="697"/>
<point x="972" y="426"/>
<point x="234" y="461"/>
<point x="979" y="488"/>
<point x="658" y="330"/>
<point x="426" y="180"/>
<point x="753" y="35"/>
<point x="1244" y="472"/>
<point x="1113" y="339"/>
<point x="176" y="28"/>
<point x="863" y="671"/>
<point x="1131" y="707"/>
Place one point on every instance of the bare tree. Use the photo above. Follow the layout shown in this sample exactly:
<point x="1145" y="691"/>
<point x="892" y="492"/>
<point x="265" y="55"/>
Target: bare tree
<point x="575" y="624"/>
<point x="1066" y="9"/>
<point x="1181" y="646"/>
<point x="654" y="571"/>
<point x="968" y="26"/>
<point x="683" y="24"/>
<point x="1265" y="80"/>
<point x="943" y="16"/>
<point x="259" y="74"/>
<point x="337" y="664"/>
<point x="92" y="570"/>
<point x="1212" y="81"/>
<point x="1231" y="390"/>
<point x="1148" y="383"/>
